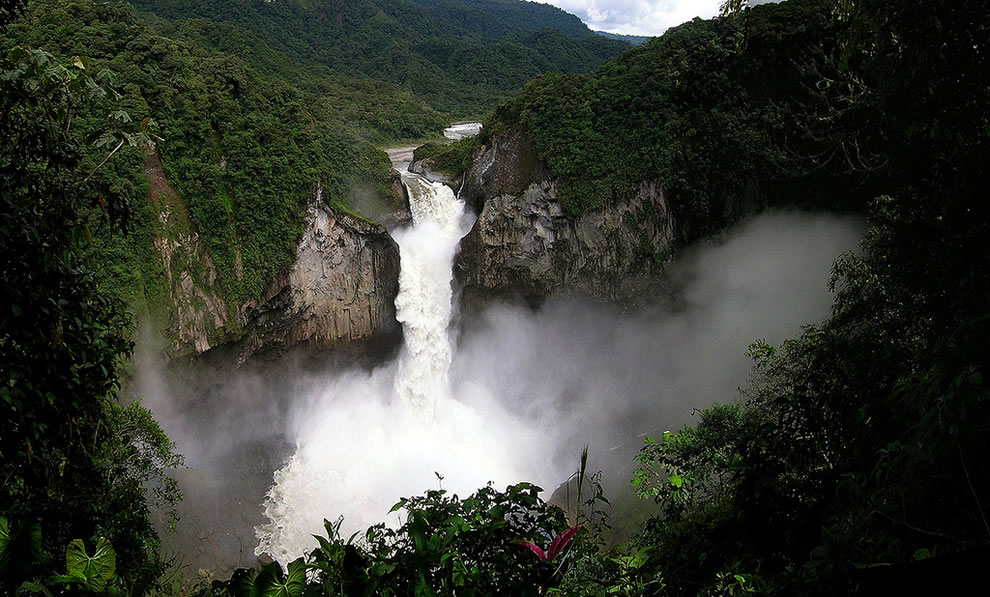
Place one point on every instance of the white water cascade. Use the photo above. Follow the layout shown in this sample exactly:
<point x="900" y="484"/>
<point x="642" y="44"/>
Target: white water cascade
<point x="423" y="305"/>
<point x="365" y="439"/>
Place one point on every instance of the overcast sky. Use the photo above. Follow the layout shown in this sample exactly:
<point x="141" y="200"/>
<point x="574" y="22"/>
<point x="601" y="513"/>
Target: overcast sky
<point x="639" y="17"/>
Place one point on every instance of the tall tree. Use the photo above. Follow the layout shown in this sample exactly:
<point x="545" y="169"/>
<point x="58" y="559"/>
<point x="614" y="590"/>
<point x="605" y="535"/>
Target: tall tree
<point x="73" y="462"/>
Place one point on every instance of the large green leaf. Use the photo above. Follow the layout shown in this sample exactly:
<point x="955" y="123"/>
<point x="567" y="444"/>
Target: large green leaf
<point x="33" y="588"/>
<point x="241" y="583"/>
<point x="295" y="581"/>
<point x="4" y="542"/>
<point x="271" y="582"/>
<point x="97" y="569"/>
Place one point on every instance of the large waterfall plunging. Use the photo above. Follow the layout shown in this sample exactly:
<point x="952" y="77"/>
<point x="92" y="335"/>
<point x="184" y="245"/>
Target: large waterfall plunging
<point x="424" y="302"/>
<point x="367" y="439"/>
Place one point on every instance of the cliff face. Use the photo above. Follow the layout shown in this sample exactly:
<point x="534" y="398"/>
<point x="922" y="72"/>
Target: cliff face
<point x="341" y="290"/>
<point x="523" y="246"/>
<point x="340" y="293"/>
<point x="196" y="307"/>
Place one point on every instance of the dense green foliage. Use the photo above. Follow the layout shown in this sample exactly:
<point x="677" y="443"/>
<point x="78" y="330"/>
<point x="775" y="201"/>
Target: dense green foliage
<point x="451" y="159"/>
<point x="445" y="546"/>
<point x="73" y="462"/>
<point x="461" y="57"/>
<point x="221" y="121"/>
<point x="490" y="543"/>
<point x="496" y="20"/>
<point x="862" y="443"/>
<point x="723" y="112"/>
<point x="857" y="447"/>
<point x="261" y="104"/>
<point x="635" y="40"/>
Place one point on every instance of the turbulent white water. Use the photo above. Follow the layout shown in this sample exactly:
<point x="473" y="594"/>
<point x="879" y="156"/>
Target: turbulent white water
<point x="423" y="305"/>
<point x="462" y="130"/>
<point x="366" y="439"/>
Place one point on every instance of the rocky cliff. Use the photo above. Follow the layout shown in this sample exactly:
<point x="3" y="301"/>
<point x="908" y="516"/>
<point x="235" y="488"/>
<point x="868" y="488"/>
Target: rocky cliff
<point x="340" y="293"/>
<point x="188" y="272"/>
<point x="523" y="245"/>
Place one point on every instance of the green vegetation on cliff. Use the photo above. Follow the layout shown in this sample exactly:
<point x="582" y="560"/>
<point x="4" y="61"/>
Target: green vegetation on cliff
<point x="855" y="461"/>
<point x="858" y="449"/>
<point x="451" y="159"/>
<point x="74" y="463"/>
<point x="261" y="104"/>
<point x="243" y="150"/>
<point x="857" y="453"/>
<point x="726" y="113"/>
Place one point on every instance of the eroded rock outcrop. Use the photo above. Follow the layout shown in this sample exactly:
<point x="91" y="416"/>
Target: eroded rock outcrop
<point x="425" y="169"/>
<point x="197" y="310"/>
<point x="524" y="246"/>
<point x="340" y="292"/>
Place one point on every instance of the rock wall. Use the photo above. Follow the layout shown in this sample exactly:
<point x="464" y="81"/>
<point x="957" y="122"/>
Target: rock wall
<point x="340" y="293"/>
<point x="341" y="290"/>
<point x="196" y="308"/>
<point x="524" y="247"/>
<point x="425" y="169"/>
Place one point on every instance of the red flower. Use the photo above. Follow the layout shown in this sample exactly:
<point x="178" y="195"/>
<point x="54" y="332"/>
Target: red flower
<point x="556" y="546"/>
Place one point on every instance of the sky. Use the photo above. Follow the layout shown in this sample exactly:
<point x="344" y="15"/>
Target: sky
<point x="639" y="17"/>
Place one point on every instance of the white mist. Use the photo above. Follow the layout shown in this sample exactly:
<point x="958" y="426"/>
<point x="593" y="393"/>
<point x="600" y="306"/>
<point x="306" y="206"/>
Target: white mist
<point x="364" y="440"/>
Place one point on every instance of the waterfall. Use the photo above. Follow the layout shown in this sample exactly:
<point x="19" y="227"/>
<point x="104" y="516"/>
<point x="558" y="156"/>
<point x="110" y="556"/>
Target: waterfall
<point x="424" y="305"/>
<point x="362" y="441"/>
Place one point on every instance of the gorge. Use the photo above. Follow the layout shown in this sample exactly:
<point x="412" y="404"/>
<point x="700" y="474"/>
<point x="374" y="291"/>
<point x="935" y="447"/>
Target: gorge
<point x="498" y="392"/>
<point x="732" y="279"/>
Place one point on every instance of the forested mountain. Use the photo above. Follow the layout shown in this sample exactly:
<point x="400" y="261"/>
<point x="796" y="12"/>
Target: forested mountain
<point x="220" y="117"/>
<point x="228" y="81"/>
<point x="727" y="126"/>
<point x="461" y="56"/>
<point x="856" y="459"/>
<point x="497" y="20"/>
<point x="143" y="155"/>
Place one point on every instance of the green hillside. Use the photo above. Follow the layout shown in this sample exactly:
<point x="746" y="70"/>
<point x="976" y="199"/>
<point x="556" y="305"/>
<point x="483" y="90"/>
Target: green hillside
<point x="726" y="126"/>
<point x="636" y="40"/>
<point x="221" y="119"/>
<point x="461" y="57"/>
<point x="228" y="82"/>
<point x="854" y="461"/>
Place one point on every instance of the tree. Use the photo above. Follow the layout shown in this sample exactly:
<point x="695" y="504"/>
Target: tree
<point x="73" y="462"/>
<point x="9" y="10"/>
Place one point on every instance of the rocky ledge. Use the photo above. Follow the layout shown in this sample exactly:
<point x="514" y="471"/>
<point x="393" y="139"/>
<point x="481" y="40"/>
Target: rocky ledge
<point x="340" y="291"/>
<point x="524" y="247"/>
<point x="339" y="294"/>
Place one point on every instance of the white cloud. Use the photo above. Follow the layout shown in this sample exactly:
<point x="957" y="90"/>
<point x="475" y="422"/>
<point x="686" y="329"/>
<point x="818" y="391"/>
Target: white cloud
<point x="639" y="17"/>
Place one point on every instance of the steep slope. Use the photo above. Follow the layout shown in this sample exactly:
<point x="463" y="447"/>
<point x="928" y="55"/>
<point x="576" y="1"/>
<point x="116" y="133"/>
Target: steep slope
<point x="525" y="246"/>
<point x="496" y="20"/>
<point x="219" y="211"/>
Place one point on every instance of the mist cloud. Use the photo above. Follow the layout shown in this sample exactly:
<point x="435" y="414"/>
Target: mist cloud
<point x="529" y="389"/>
